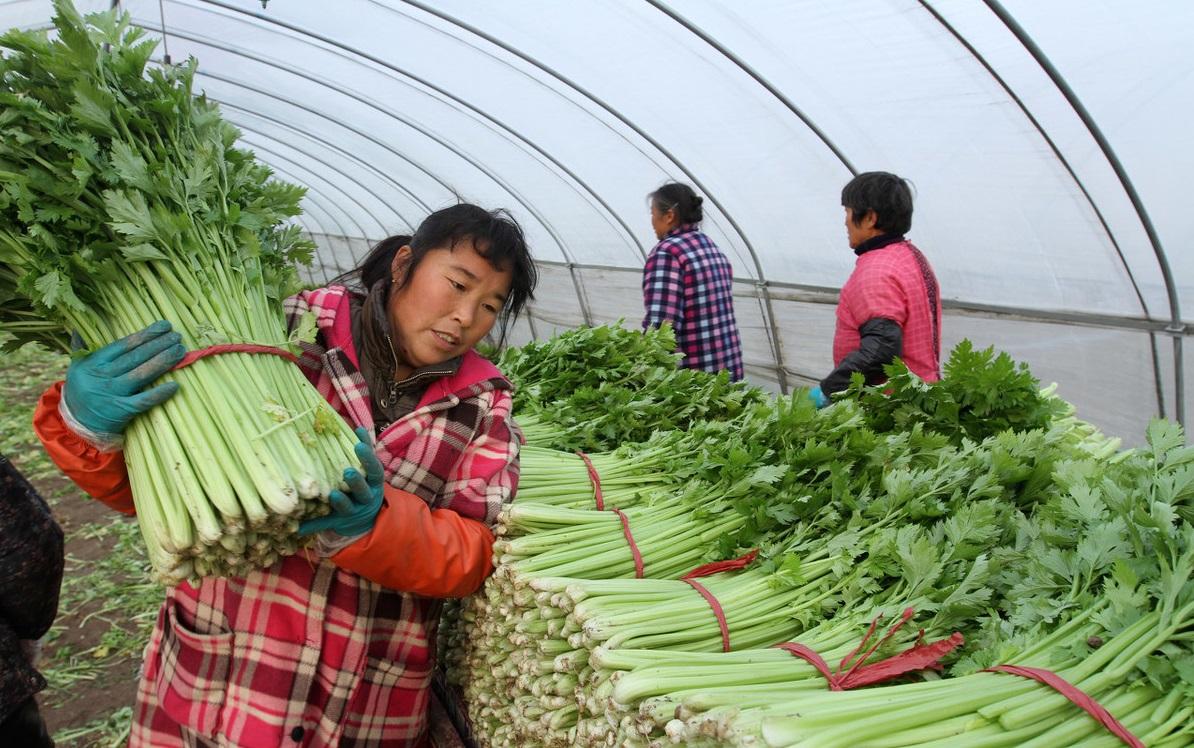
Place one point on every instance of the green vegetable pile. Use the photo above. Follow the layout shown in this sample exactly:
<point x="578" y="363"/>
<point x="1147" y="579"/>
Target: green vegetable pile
<point x="981" y="394"/>
<point x="1014" y="532"/>
<point x="124" y="201"/>
<point x="595" y="388"/>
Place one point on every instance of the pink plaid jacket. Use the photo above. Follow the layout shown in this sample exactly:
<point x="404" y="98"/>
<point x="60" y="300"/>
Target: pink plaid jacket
<point x="306" y="653"/>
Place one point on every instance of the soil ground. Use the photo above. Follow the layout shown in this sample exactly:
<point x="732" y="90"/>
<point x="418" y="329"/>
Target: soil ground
<point x="92" y="655"/>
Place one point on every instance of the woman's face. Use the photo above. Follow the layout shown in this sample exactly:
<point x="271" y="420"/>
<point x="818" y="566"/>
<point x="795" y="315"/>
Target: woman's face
<point x="663" y="221"/>
<point x="449" y="303"/>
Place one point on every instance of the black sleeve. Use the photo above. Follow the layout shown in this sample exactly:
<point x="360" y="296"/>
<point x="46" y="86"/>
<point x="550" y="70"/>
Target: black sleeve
<point x="881" y="341"/>
<point x="31" y="556"/>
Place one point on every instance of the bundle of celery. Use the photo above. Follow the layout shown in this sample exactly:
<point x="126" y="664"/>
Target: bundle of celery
<point x="125" y="202"/>
<point x="1098" y="589"/>
<point x="855" y="515"/>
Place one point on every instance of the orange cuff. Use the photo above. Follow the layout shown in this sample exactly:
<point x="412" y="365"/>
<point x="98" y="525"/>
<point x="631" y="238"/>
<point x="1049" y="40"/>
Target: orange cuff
<point x="102" y="475"/>
<point x="413" y="548"/>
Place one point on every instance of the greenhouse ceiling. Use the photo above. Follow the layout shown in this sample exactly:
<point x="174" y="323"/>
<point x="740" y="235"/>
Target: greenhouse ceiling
<point x="1047" y="143"/>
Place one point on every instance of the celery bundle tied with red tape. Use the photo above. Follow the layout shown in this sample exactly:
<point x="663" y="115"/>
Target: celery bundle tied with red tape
<point x="125" y="202"/>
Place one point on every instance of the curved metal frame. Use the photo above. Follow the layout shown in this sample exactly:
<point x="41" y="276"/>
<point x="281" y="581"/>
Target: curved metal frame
<point x="508" y="132"/>
<point x="322" y="228"/>
<point x="200" y="39"/>
<point x="380" y="223"/>
<point x="289" y="172"/>
<point x="758" y="78"/>
<point x="1176" y="326"/>
<point x="526" y="205"/>
<point x="339" y="189"/>
<point x="224" y="104"/>
<point x="982" y="60"/>
<point x="311" y="202"/>
<point x="768" y="312"/>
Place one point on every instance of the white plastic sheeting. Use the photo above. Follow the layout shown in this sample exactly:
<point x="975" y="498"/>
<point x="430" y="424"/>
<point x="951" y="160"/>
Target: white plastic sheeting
<point x="569" y="113"/>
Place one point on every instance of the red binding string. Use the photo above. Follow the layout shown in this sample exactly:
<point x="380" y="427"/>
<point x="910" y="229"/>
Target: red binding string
<point x="638" y="557"/>
<point x="1074" y="694"/>
<point x="717" y="612"/>
<point x="919" y="656"/>
<point x="597" y="497"/>
<point x="718" y="566"/>
<point x="596" y="479"/>
<point x="195" y="355"/>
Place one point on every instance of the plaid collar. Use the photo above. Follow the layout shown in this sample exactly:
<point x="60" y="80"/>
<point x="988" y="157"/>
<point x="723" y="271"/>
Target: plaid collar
<point x="683" y="228"/>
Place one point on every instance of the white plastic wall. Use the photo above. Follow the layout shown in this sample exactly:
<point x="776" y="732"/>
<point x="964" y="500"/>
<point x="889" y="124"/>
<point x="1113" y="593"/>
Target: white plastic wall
<point x="569" y="113"/>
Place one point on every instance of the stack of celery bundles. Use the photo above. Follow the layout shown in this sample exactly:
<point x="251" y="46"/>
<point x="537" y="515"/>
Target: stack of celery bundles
<point x="124" y="202"/>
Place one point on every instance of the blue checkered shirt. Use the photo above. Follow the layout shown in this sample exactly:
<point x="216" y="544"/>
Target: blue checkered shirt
<point x="688" y="281"/>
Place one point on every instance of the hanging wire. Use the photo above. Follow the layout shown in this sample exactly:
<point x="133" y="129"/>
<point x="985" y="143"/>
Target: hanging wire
<point x="165" y="41"/>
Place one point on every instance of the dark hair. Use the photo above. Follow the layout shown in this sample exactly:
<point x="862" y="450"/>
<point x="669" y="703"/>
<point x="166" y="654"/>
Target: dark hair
<point x="496" y="235"/>
<point x="681" y="198"/>
<point x="886" y="194"/>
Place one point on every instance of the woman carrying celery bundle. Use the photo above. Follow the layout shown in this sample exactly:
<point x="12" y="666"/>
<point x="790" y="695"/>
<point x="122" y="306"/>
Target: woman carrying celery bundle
<point x="336" y="647"/>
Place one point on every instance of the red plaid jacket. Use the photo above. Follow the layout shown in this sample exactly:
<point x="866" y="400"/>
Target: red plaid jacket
<point x="310" y="652"/>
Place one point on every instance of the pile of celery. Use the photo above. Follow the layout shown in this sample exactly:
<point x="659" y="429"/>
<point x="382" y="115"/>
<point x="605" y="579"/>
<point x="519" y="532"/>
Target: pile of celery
<point x="1033" y="539"/>
<point x="124" y="202"/>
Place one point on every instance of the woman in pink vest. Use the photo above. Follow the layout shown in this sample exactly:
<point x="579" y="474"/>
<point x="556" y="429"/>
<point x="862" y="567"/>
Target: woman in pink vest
<point x="335" y="647"/>
<point x="891" y="304"/>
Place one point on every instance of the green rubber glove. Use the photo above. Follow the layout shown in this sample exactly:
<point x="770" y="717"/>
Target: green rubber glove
<point x="818" y="397"/>
<point x="354" y="513"/>
<point x="107" y="389"/>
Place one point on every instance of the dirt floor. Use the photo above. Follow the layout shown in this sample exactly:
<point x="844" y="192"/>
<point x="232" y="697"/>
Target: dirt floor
<point x="92" y="655"/>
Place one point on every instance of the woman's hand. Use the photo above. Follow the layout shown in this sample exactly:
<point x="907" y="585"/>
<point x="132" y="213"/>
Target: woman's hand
<point x="354" y="513"/>
<point x="105" y="390"/>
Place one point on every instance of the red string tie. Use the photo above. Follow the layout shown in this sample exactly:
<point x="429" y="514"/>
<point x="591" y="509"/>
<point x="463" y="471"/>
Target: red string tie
<point x="193" y="356"/>
<point x="919" y="656"/>
<point x="1074" y="694"/>
<point x="718" y="566"/>
<point x="596" y="479"/>
<point x="634" y="551"/>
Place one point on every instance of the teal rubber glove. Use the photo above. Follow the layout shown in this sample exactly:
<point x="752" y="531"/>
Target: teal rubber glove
<point x="354" y="513"/>
<point x="818" y="397"/>
<point x="107" y="389"/>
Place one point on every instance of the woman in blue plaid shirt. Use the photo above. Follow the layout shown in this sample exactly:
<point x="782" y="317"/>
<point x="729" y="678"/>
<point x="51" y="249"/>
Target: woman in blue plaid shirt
<point x="688" y="282"/>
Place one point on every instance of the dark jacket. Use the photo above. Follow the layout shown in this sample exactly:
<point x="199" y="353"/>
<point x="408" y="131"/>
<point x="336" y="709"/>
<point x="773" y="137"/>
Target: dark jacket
<point x="31" y="561"/>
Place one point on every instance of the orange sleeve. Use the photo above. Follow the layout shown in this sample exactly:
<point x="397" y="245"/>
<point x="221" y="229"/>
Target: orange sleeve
<point x="413" y="548"/>
<point x="102" y="475"/>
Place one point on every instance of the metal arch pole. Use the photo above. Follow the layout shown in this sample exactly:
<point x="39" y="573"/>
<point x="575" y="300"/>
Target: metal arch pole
<point x="978" y="56"/>
<point x="1176" y="326"/>
<point x="518" y="137"/>
<point x="777" y="346"/>
<point x="307" y="183"/>
<point x="381" y="225"/>
<point x="758" y="78"/>
<point x="322" y="227"/>
<point x="320" y="193"/>
<point x="338" y="122"/>
<point x="771" y="329"/>
<point x="330" y="199"/>
<point x="316" y="204"/>
<point x="318" y="223"/>
<point x="547" y="225"/>
<point x="298" y="131"/>
<point x="364" y="234"/>
<point x="307" y="228"/>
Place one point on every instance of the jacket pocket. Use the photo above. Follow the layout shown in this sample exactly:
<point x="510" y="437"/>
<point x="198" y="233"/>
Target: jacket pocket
<point x="192" y="674"/>
<point x="389" y="707"/>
